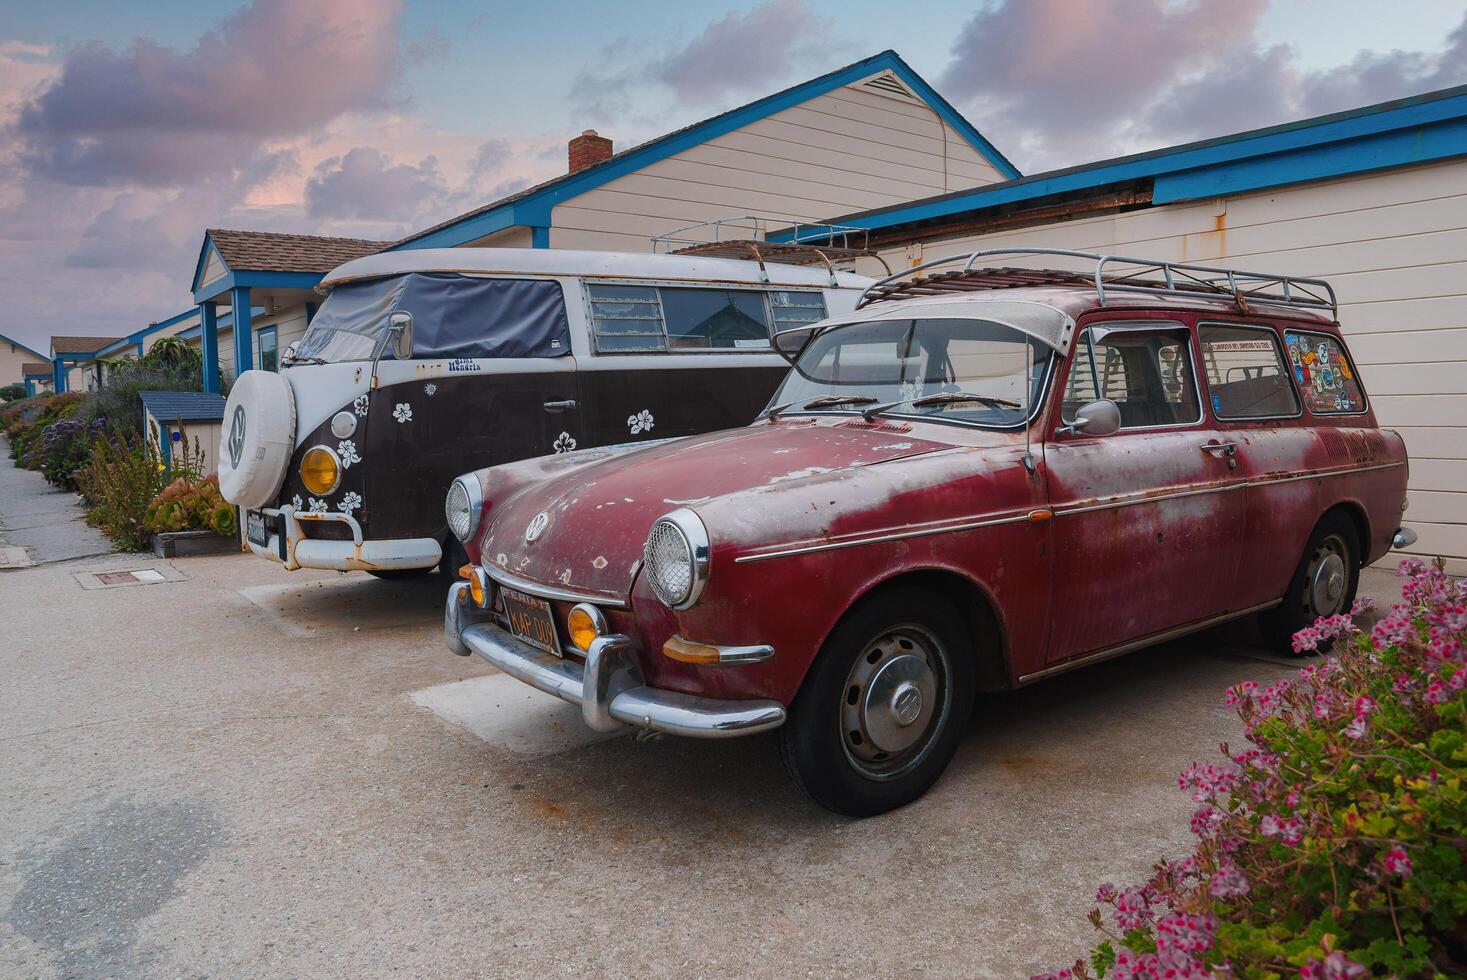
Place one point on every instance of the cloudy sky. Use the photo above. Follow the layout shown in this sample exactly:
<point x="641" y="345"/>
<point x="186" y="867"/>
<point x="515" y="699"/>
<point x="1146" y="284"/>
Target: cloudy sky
<point x="126" y="129"/>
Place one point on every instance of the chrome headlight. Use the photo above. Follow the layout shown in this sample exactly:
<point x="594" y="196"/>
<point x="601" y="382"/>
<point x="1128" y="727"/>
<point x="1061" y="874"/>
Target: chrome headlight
<point x="463" y="506"/>
<point x="676" y="558"/>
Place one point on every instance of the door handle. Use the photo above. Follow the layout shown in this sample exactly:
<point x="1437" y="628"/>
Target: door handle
<point x="1220" y="449"/>
<point x="560" y="406"/>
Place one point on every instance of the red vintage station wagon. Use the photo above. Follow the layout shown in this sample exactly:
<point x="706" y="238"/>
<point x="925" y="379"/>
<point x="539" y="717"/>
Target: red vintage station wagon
<point x="980" y="478"/>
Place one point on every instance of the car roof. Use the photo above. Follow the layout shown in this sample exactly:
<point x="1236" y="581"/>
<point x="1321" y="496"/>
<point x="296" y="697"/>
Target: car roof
<point x="589" y="265"/>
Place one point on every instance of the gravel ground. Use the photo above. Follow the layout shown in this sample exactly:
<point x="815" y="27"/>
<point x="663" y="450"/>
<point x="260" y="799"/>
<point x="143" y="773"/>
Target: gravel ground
<point x="240" y="771"/>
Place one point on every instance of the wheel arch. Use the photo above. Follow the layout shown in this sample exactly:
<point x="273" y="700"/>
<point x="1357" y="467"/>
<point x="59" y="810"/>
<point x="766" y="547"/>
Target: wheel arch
<point x="974" y="602"/>
<point x="1352" y="510"/>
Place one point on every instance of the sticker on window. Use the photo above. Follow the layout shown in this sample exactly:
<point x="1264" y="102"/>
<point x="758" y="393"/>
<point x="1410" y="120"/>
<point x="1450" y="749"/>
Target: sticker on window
<point x="1324" y="374"/>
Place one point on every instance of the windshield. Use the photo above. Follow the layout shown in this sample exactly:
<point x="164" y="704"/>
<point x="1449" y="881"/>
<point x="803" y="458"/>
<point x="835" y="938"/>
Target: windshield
<point x="453" y="316"/>
<point x="975" y="371"/>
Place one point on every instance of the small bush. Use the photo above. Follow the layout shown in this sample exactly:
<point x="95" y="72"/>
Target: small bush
<point x="64" y="447"/>
<point x="1334" y="846"/>
<point x="120" y="479"/>
<point x="12" y="393"/>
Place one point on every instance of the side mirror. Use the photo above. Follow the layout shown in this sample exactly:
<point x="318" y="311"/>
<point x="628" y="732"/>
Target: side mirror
<point x="400" y="335"/>
<point x="1098" y="418"/>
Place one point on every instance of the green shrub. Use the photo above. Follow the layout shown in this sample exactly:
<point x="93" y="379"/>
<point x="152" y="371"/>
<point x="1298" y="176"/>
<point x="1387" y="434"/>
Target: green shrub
<point x="120" y="479"/>
<point x="12" y="393"/>
<point x="64" y="447"/>
<point x="1336" y="845"/>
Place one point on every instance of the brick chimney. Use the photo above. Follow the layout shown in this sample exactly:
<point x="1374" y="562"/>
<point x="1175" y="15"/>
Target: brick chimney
<point x="587" y="150"/>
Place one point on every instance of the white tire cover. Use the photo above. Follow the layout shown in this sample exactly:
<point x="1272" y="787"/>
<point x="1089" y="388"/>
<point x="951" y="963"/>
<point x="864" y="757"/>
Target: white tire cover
<point x="257" y="439"/>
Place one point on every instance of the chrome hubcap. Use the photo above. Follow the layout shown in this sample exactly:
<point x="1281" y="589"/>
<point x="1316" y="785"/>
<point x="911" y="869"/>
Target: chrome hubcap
<point x="1329" y="575"/>
<point x="896" y="699"/>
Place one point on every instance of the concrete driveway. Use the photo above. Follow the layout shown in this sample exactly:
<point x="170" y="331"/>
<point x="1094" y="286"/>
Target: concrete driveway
<point x="224" y="769"/>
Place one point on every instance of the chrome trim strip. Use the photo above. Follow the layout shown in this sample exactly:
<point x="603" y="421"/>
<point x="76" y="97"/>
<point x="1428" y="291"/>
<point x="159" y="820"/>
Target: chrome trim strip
<point x="880" y="537"/>
<point x="1145" y="641"/>
<point x="1317" y="474"/>
<point x="531" y="587"/>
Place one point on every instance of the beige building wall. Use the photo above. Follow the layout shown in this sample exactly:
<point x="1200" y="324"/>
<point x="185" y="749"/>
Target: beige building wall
<point x="12" y="356"/>
<point x="1393" y="245"/>
<point x="853" y="149"/>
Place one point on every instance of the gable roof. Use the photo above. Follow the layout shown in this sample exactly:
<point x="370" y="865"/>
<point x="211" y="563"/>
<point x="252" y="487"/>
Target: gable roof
<point x="532" y="206"/>
<point x="183" y="406"/>
<point x="269" y="258"/>
<point x="71" y="346"/>
<point x="25" y="347"/>
<point x="1397" y="133"/>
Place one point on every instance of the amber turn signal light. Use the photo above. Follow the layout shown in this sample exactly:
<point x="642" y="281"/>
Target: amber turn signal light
<point x="320" y="470"/>
<point x="689" y="652"/>
<point x="584" y="624"/>
<point x="479" y="588"/>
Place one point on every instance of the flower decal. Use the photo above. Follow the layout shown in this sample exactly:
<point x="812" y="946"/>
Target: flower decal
<point x="350" y="501"/>
<point x="403" y="412"/>
<point x="641" y="422"/>
<point x="564" y="443"/>
<point x="360" y="405"/>
<point x="296" y="502"/>
<point x="318" y="506"/>
<point x="430" y="389"/>
<point x="347" y="450"/>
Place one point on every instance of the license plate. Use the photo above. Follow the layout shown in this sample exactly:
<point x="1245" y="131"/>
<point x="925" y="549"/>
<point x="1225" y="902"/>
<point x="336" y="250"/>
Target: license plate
<point x="255" y="528"/>
<point x="531" y="620"/>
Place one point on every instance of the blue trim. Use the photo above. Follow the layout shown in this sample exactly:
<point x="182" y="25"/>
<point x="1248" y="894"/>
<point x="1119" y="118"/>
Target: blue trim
<point x="58" y="375"/>
<point x="1392" y="134"/>
<point x="258" y="280"/>
<point x="539" y="237"/>
<point x="203" y="260"/>
<point x="209" y="344"/>
<point x="29" y="350"/>
<point x="244" y="336"/>
<point x="534" y="209"/>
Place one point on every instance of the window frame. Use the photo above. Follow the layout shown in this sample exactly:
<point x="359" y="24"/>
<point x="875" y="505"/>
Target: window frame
<point x="658" y="285"/>
<point x="274" y="332"/>
<point x="1081" y="348"/>
<point x="1350" y="358"/>
<point x="1278" y="342"/>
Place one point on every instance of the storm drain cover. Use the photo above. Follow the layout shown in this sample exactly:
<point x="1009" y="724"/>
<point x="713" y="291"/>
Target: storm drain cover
<point x="119" y="578"/>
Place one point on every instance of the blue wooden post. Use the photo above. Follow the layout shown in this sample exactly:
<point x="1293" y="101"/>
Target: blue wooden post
<point x="539" y="236"/>
<point x="209" y="345"/>
<point x="244" y="334"/>
<point x="58" y="375"/>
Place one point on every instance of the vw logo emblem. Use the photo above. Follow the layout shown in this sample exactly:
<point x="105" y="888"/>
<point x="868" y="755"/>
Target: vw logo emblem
<point x="537" y="527"/>
<point x="237" y="436"/>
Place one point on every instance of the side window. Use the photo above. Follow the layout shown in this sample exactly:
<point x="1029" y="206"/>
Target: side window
<point x="1147" y="373"/>
<point x="268" y="343"/>
<point x="795" y="309"/>
<point x="626" y="318"/>
<point x="1324" y="373"/>
<point x="1245" y="372"/>
<point x="715" y="319"/>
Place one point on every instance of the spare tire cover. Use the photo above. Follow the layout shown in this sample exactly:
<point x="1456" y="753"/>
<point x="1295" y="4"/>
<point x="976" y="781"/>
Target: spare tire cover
<point x="257" y="438"/>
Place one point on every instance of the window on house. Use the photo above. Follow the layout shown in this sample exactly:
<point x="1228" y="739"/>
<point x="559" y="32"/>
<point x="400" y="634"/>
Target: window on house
<point x="267" y="343"/>
<point x="660" y="319"/>
<point x="1146" y="372"/>
<point x="1324" y="374"/>
<point x="1245" y="370"/>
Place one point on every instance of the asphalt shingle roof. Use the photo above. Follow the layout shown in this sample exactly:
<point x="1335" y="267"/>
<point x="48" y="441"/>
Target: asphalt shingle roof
<point x="81" y="345"/>
<point x="183" y="406"/>
<point x="268" y="251"/>
<point x="35" y="367"/>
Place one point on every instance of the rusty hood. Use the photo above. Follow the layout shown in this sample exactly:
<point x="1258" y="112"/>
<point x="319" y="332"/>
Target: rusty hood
<point x="583" y="529"/>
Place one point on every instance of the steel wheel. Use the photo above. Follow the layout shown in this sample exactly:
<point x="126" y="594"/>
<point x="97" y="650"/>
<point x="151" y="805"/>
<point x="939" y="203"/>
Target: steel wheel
<point x="898" y="695"/>
<point x="1327" y="577"/>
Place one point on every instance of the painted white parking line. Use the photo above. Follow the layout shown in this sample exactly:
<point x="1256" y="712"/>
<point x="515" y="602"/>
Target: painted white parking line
<point x="510" y="715"/>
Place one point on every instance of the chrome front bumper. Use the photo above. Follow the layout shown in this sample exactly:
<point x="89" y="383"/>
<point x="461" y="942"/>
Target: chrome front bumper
<point x="298" y="551"/>
<point x="609" y="687"/>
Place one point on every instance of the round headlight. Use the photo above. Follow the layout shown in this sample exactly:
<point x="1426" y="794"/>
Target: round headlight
<point x="320" y="470"/>
<point x="584" y="624"/>
<point x="462" y="507"/>
<point x="676" y="558"/>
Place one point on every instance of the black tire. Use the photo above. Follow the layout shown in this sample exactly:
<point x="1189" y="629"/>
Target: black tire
<point x="454" y="558"/>
<point x="827" y="744"/>
<point x="1303" y="602"/>
<point x="397" y="574"/>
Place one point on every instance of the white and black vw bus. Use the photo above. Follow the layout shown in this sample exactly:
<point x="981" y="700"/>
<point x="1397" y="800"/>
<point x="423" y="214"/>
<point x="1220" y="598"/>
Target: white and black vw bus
<point x="424" y="364"/>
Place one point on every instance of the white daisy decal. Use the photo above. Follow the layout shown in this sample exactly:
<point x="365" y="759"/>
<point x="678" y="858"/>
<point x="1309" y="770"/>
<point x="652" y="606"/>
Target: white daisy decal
<point x="318" y="506"/>
<point x="430" y="389"/>
<point x="296" y="502"/>
<point x="347" y="450"/>
<point x="360" y="405"/>
<point x="564" y="443"/>
<point x="350" y="501"/>
<point x="641" y="422"/>
<point x="403" y="412"/>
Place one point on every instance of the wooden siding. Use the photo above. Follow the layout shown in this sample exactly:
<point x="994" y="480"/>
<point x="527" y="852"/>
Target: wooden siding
<point x="12" y="356"/>
<point x="844" y="151"/>
<point x="1394" y="246"/>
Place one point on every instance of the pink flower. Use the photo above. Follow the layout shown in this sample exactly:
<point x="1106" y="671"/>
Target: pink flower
<point x="1356" y="728"/>
<point x="1306" y="639"/>
<point x="1436" y="693"/>
<point x="1132" y="909"/>
<point x="1334" y="967"/>
<point x="1362" y="604"/>
<point x="1228" y="881"/>
<point x="1365" y="704"/>
<point x="1397" y="862"/>
<point x="1105" y="893"/>
<point x="1410" y="568"/>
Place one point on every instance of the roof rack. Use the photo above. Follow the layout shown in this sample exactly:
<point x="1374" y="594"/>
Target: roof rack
<point x="1130" y="275"/>
<point x="746" y="237"/>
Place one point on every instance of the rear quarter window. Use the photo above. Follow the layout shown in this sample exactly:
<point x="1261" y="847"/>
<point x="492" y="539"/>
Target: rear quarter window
<point x="1324" y="374"/>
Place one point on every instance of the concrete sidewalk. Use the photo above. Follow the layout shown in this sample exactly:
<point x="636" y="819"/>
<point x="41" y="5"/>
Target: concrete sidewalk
<point x="38" y="523"/>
